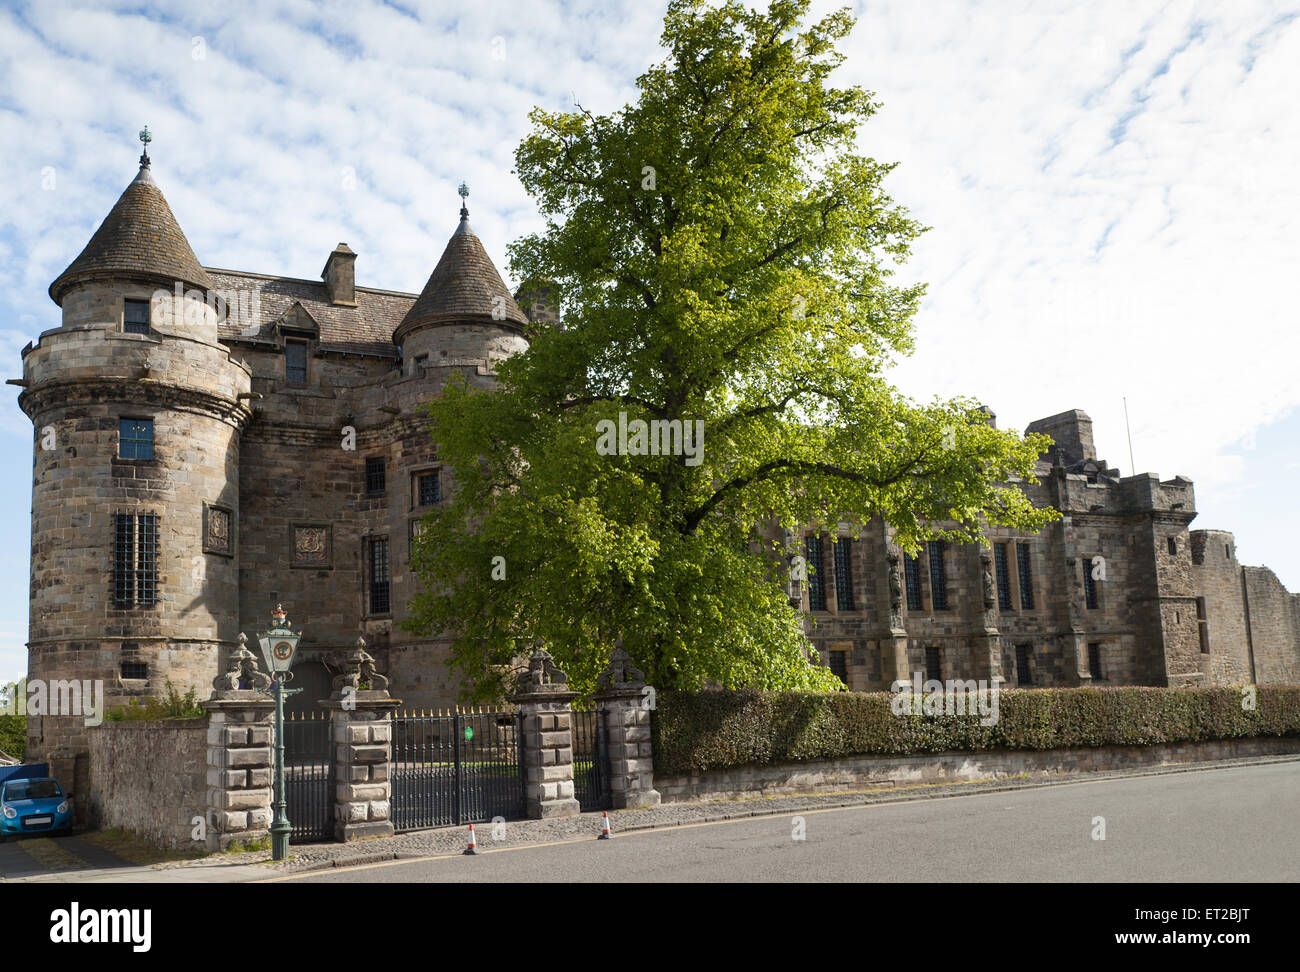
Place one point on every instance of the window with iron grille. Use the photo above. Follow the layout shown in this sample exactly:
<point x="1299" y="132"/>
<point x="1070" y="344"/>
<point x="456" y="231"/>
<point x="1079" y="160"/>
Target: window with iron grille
<point x="295" y="362"/>
<point x="816" y="580"/>
<point x="1004" y="576"/>
<point x="135" y="559"/>
<point x="135" y="316"/>
<point x="379" y="603"/>
<point x="839" y="665"/>
<point x="912" y="580"/>
<point x="135" y="669"/>
<point x="1094" y="660"/>
<point x="1023" y="675"/>
<point x="938" y="575"/>
<point x="1089" y="585"/>
<point x="430" y="489"/>
<point x="844" y="574"/>
<point x="1203" y="625"/>
<point x="1173" y="547"/>
<point x="1026" y="576"/>
<point x="376" y="475"/>
<point x="135" y="438"/>
<point x="933" y="669"/>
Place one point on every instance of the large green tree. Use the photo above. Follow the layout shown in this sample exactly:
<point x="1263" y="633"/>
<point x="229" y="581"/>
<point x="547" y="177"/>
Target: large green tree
<point x="725" y="256"/>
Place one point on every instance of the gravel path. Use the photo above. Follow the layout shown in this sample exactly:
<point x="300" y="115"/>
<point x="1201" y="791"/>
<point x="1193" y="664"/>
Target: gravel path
<point x="450" y="840"/>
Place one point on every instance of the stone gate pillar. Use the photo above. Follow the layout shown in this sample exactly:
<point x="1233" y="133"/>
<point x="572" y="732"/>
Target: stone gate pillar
<point x="625" y="707"/>
<point x="240" y="762"/>
<point x="543" y="695"/>
<point x="361" y="715"/>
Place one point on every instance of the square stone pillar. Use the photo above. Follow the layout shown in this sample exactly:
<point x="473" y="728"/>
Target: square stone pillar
<point x="625" y="706"/>
<point x="241" y="764"/>
<point x="546" y="716"/>
<point x="361" y="715"/>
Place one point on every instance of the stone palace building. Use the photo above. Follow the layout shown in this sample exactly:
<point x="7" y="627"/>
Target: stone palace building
<point x="197" y="461"/>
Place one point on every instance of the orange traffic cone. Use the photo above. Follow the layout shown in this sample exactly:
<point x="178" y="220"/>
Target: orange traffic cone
<point x="473" y="844"/>
<point x="604" y="826"/>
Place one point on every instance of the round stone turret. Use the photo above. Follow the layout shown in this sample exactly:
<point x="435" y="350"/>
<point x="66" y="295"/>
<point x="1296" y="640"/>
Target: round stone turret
<point x="137" y="411"/>
<point x="465" y="314"/>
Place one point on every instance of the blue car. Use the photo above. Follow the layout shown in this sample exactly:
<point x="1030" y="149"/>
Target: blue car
<point x="33" y="806"/>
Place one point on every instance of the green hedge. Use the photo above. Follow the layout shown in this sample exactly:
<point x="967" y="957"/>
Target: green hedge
<point x="697" y="731"/>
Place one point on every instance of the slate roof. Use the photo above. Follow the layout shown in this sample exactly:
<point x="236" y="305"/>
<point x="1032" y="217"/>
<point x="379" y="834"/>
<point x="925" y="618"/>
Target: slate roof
<point x="463" y="286"/>
<point x="139" y="237"/>
<point x="365" y="329"/>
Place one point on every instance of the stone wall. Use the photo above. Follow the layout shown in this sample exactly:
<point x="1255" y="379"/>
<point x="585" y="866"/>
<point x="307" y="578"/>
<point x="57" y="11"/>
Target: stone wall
<point x="829" y="776"/>
<point x="1218" y="579"/>
<point x="150" y="778"/>
<point x="1274" y="615"/>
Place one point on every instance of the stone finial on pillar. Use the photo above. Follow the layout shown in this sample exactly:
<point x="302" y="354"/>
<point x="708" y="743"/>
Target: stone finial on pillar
<point x="242" y="676"/>
<point x="543" y="695"/>
<point x="361" y="713"/>
<point x="359" y="674"/>
<point x="626" y="706"/>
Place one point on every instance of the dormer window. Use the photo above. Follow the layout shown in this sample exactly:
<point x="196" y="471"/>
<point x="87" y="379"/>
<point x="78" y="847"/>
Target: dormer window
<point x="135" y="316"/>
<point x="295" y="362"/>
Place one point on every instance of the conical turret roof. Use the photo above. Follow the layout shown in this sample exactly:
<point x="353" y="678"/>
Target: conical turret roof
<point x="464" y="286"/>
<point x="138" y="238"/>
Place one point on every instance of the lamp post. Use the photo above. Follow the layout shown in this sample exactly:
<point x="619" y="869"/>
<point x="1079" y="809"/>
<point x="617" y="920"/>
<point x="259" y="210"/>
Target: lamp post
<point x="279" y="645"/>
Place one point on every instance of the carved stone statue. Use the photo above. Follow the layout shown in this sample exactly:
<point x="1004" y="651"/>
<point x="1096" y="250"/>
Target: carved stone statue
<point x="990" y="591"/>
<point x="242" y="673"/>
<point x="621" y="673"/>
<point x="359" y="669"/>
<point x="895" y="583"/>
<point x="540" y="673"/>
<point x="895" y="593"/>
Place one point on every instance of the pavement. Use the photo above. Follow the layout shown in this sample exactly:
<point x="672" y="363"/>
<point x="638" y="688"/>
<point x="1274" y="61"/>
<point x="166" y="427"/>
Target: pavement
<point x="80" y="862"/>
<point x="1231" y="825"/>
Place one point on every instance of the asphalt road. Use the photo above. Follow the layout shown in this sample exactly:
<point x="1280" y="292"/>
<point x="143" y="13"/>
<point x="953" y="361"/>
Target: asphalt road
<point x="1240" y="824"/>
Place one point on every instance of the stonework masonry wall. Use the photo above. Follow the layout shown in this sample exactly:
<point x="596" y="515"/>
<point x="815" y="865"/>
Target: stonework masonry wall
<point x="1274" y="627"/>
<point x="1218" y="579"/>
<point x="149" y="778"/>
<point x="829" y="776"/>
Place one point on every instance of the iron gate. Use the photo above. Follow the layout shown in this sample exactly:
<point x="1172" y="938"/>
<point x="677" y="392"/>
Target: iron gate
<point x="308" y="776"/>
<point x="590" y="759"/>
<point x="456" y="768"/>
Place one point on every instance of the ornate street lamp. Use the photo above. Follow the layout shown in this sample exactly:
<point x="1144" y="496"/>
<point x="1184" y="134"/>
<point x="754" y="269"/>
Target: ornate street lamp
<point x="279" y="646"/>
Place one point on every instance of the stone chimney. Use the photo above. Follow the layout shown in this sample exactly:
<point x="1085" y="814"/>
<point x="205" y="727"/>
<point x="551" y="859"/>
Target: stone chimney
<point x="340" y="276"/>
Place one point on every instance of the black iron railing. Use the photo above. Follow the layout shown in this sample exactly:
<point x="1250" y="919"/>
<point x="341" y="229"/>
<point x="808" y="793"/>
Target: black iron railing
<point x="456" y="767"/>
<point x="309" y="776"/>
<point x="590" y="759"/>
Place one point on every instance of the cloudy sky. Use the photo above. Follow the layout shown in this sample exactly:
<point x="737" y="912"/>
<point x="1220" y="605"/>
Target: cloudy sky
<point x="1110" y="184"/>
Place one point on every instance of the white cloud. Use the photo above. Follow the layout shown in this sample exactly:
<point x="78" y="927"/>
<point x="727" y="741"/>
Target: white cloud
<point x="1110" y="184"/>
